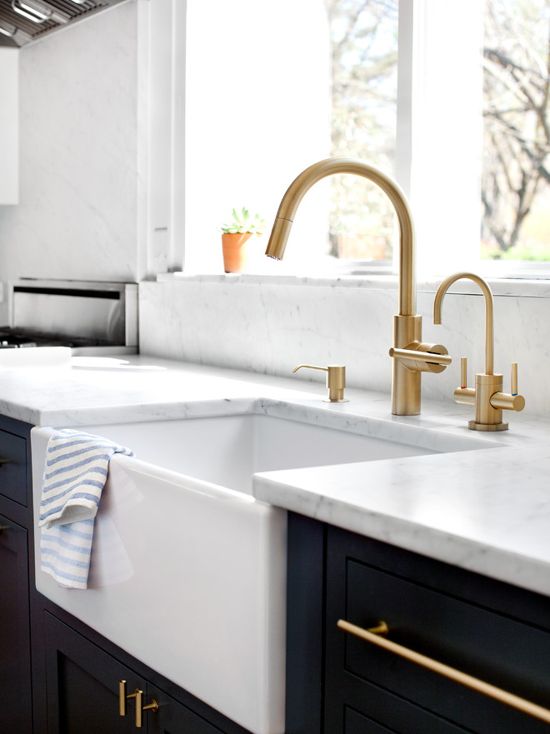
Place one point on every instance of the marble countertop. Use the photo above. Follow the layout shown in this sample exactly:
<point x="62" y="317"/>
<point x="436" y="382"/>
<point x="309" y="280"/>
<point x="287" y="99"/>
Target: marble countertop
<point x="485" y="509"/>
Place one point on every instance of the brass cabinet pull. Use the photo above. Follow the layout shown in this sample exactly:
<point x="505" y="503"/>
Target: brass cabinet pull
<point x="123" y="697"/>
<point x="3" y="528"/>
<point x="140" y="708"/>
<point x="5" y="461"/>
<point x="373" y="635"/>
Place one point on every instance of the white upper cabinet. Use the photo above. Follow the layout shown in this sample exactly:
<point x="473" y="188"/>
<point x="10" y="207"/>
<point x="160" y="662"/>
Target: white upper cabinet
<point x="9" y="124"/>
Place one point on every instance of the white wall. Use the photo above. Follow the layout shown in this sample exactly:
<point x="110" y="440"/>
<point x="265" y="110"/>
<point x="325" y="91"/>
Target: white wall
<point x="9" y="125"/>
<point x="257" y="113"/>
<point x="77" y="216"/>
<point x="270" y="326"/>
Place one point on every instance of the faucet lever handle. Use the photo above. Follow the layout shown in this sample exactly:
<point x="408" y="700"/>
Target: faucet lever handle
<point x="514" y="379"/>
<point x="464" y="395"/>
<point x="463" y="372"/>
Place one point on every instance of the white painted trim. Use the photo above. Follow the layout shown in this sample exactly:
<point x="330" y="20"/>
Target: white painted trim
<point x="143" y="133"/>
<point x="9" y="125"/>
<point x="179" y="59"/>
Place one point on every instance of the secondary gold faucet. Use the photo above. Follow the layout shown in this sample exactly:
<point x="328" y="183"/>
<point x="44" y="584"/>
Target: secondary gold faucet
<point x="410" y="355"/>
<point x="487" y="396"/>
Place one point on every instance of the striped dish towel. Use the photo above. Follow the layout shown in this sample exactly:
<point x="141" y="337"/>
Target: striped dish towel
<point x="77" y="465"/>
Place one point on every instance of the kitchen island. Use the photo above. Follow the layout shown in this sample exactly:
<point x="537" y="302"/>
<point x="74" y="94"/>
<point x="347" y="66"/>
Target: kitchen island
<point x="484" y="508"/>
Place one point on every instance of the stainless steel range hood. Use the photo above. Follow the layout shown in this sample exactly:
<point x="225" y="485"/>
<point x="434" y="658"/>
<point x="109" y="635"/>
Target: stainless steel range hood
<point x="22" y="21"/>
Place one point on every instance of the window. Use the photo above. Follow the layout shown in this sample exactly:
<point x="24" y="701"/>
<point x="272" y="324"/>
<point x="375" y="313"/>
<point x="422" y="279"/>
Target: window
<point x="363" y="114"/>
<point x="516" y="115"/>
<point x="460" y="117"/>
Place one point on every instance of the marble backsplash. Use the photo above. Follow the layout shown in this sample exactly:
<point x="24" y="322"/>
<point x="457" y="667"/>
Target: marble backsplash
<point x="269" y="325"/>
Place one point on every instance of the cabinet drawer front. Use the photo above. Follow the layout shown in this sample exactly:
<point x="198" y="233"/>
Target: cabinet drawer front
<point x="13" y="467"/>
<point x="477" y="641"/>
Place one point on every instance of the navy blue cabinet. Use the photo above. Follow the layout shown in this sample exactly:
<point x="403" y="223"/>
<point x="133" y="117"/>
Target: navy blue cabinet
<point x="83" y="684"/>
<point x="15" y="651"/>
<point x="494" y="632"/>
<point x="15" y="554"/>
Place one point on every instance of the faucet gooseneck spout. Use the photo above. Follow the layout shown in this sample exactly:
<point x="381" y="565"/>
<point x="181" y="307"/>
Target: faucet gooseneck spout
<point x="302" y="183"/>
<point x="410" y="355"/>
<point x="489" y="310"/>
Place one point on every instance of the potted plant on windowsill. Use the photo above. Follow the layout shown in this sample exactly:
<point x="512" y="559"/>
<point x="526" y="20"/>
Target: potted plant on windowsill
<point x="235" y="236"/>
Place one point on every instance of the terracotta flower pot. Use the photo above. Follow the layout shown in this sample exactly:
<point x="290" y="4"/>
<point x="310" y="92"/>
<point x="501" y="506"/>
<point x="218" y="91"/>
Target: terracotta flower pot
<point x="235" y="251"/>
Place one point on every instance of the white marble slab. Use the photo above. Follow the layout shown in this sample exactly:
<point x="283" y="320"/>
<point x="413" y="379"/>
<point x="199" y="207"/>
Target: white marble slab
<point x="485" y="509"/>
<point x="269" y="325"/>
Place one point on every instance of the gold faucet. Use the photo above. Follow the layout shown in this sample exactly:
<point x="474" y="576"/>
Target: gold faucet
<point x="410" y="355"/>
<point x="487" y="396"/>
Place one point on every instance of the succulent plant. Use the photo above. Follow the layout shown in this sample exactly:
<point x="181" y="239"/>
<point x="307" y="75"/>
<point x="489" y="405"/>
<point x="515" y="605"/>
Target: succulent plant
<point x="243" y="221"/>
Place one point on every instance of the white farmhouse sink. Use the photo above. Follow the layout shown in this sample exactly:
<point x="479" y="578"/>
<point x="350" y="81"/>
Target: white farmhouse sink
<point x="188" y="569"/>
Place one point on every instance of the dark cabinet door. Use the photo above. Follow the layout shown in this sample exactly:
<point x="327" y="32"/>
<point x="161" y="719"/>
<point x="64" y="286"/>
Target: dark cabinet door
<point x="83" y="685"/>
<point x="172" y="717"/>
<point x="15" y="660"/>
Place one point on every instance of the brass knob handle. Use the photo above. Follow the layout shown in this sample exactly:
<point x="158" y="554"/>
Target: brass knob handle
<point x="372" y="635"/>
<point x="3" y="528"/>
<point x="336" y="379"/>
<point x="140" y="708"/>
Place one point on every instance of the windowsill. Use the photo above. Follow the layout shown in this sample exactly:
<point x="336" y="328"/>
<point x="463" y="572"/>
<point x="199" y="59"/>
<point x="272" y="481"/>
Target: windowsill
<point x="512" y="287"/>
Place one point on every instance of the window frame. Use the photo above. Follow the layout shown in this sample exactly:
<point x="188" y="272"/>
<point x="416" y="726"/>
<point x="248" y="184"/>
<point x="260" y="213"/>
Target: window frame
<point x="419" y="43"/>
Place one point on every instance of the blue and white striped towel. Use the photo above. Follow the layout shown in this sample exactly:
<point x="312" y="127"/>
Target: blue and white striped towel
<point x="77" y="465"/>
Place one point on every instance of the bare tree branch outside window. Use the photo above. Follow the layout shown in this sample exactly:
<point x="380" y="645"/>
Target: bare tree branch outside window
<point x="516" y="155"/>
<point x="515" y="199"/>
<point x="364" y="92"/>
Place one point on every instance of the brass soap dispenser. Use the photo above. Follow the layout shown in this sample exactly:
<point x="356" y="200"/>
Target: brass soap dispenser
<point x="487" y="396"/>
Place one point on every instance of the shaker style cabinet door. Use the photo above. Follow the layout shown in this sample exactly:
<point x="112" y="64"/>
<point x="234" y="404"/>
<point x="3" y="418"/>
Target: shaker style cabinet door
<point x="172" y="717"/>
<point x="15" y="668"/>
<point x="83" y="685"/>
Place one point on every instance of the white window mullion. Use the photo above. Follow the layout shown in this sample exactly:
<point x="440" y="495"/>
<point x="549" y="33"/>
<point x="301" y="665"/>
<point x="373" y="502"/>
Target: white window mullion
<point x="440" y="129"/>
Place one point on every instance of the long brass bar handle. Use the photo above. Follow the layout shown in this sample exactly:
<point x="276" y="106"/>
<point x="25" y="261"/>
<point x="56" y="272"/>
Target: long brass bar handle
<point x="140" y="708"/>
<point x="480" y="686"/>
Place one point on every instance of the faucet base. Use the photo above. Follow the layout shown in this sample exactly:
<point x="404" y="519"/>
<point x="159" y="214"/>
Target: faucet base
<point x="475" y="426"/>
<point x="405" y="382"/>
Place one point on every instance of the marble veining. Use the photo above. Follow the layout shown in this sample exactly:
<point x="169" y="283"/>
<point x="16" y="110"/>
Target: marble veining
<point x="483" y="504"/>
<point x="269" y="326"/>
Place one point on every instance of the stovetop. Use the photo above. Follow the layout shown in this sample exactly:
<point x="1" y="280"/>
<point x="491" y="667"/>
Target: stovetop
<point x="11" y="338"/>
